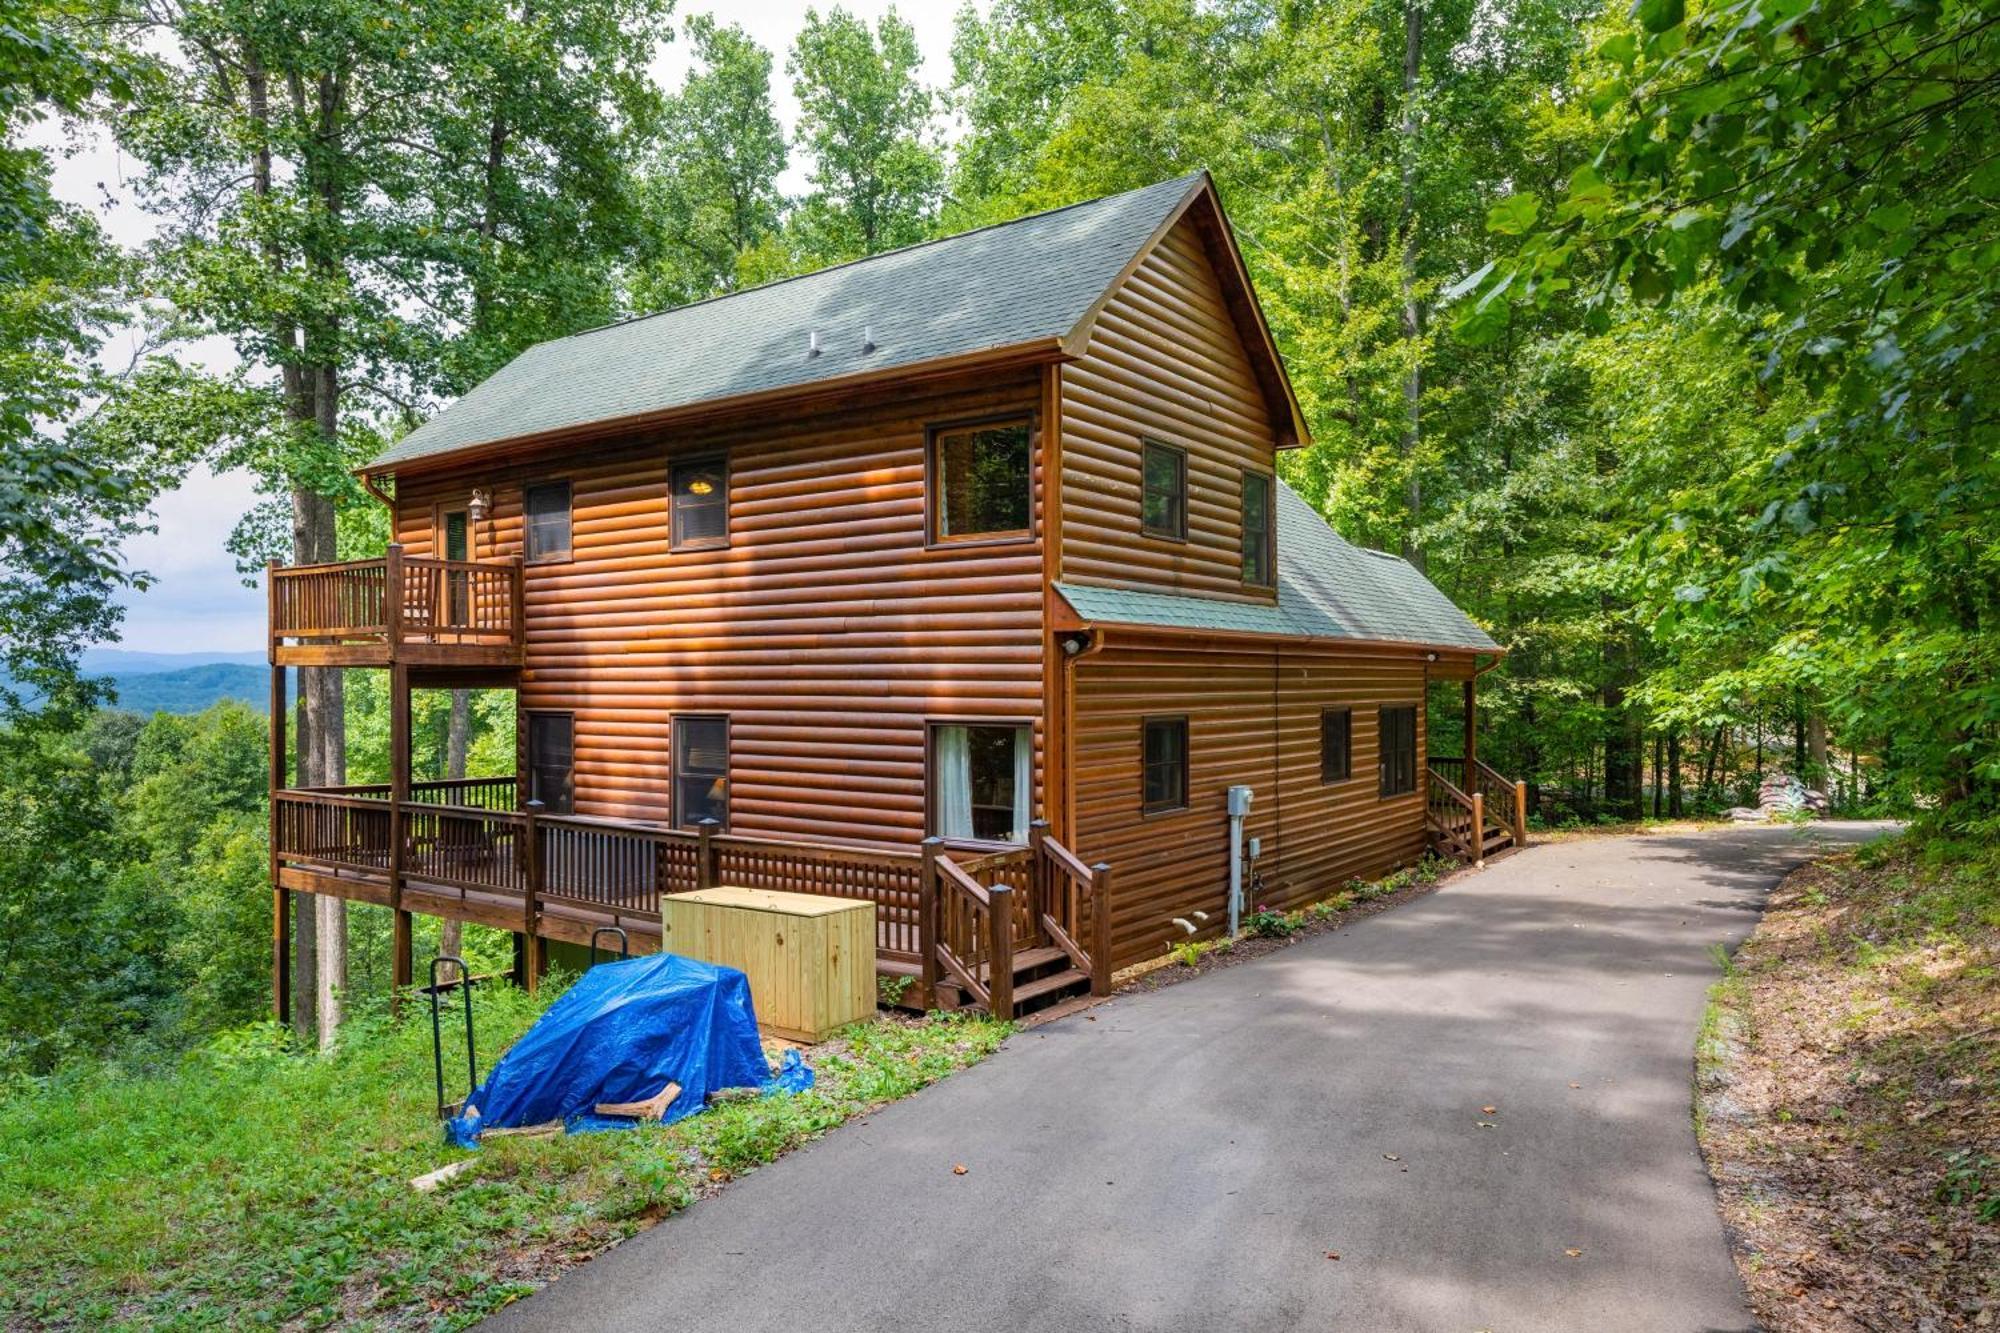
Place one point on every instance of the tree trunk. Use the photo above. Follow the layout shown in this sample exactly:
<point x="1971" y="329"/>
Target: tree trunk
<point x="1675" y="809"/>
<point x="1659" y="771"/>
<point x="1816" y="749"/>
<point x="1412" y="319"/>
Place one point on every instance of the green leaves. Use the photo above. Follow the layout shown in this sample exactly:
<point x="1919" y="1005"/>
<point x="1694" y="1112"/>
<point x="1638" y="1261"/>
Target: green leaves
<point x="1514" y="215"/>
<point x="1659" y="15"/>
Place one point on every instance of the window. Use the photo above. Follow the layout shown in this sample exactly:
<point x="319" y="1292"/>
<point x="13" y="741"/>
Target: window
<point x="552" y="761"/>
<point x="701" y="503"/>
<point x="1163" y="490"/>
<point x="1164" y="750"/>
<point x="1257" y="529"/>
<point x="454" y="535"/>
<point x="545" y="521"/>
<point x="982" y="780"/>
<point x="979" y="480"/>
<point x="1336" y="745"/>
<point x="701" y="769"/>
<point x="1398" y="742"/>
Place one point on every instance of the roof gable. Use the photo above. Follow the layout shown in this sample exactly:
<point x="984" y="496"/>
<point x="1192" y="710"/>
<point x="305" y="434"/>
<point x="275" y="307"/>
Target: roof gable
<point x="1012" y="285"/>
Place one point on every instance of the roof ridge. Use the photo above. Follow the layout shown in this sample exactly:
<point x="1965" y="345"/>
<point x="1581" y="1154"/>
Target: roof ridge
<point x="866" y="259"/>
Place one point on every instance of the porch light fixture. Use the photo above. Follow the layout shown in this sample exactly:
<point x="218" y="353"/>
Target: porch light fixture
<point x="476" y="508"/>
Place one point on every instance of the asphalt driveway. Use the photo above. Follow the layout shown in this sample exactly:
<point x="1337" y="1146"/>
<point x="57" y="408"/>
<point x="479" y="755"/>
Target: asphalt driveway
<point x="1189" y="1158"/>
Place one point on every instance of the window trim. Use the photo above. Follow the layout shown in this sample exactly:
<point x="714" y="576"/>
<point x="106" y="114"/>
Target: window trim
<point x="1382" y="751"/>
<point x="933" y="483"/>
<point x="568" y="552"/>
<point x="674" y="721"/>
<point x="676" y="542"/>
<point x="441" y="512"/>
<point x="525" y="730"/>
<point x="1346" y="713"/>
<point x="1147" y="723"/>
<point x="1148" y="445"/>
<point x="931" y="724"/>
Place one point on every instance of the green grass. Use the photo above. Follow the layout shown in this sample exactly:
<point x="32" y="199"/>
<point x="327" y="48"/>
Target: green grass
<point x="248" y="1186"/>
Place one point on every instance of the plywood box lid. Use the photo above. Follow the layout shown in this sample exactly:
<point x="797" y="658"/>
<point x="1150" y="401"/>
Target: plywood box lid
<point x="772" y="900"/>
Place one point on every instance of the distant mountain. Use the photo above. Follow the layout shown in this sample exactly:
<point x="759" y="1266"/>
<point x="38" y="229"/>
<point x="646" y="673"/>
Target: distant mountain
<point x="190" y="689"/>
<point x="125" y="662"/>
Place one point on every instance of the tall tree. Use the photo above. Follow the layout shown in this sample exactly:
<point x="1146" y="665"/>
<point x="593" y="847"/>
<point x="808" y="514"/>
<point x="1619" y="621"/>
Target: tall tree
<point x="711" y="195"/>
<point x="1831" y="175"/>
<point x="375" y="204"/>
<point x="870" y="127"/>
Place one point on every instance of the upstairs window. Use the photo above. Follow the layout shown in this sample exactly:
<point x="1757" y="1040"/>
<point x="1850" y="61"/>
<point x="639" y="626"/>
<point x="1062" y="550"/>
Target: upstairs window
<point x="545" y="521"/>
<point x="1398" y="743"/>
<point x="1164" y="764"/>
<point x="980" y="481"/>
<point x="1257" y="543"/>
<point x="552" y="761"/>
<point x="1336" y="745"/>
<point x="1163" y="490"/>
<point x="982" y="778"/>
<point x="701" y="769"/>
<point x="700" y="489"/>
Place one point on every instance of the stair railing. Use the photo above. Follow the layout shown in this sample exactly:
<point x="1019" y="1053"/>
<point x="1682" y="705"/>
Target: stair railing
<point x="1458" y="819"/>
<point x="969" y="931"/>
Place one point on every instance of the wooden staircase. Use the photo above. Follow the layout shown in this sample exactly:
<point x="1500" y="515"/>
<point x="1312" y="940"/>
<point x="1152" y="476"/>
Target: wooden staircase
<point x="1043" y="978"/>
<point x="1472" y="812"/>
<point x="1014" y="932"/>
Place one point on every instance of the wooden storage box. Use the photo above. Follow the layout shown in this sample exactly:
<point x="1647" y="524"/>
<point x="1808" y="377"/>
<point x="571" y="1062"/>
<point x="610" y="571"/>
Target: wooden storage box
<point x="810" y="959"/>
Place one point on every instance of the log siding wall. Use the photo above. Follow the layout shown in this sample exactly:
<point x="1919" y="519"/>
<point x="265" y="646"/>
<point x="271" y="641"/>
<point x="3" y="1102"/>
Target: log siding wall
<point x="1165" y="362"/>
<point x="1253" y="719"/>
<point x="827" y="629"/>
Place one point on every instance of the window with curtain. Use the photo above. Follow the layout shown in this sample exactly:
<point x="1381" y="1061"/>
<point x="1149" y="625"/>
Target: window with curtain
<point x="1163" y="486"/>
<point x="1399" y="749"/>
<point x="701" y="769"/>
<point x="1258" y="556"/>
<point x="982" y="780"/>
<point x="545" y="521"/>
<point x="552" y="761"/>
<point x="1336" y="745"/>
<point x="1164" y="764"/>
<point x="980" y="480"/>
<point x="700" y="489"/>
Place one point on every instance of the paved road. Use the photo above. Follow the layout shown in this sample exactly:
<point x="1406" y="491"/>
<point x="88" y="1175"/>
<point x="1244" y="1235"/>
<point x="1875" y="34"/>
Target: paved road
<point x="1186" y="1159"/>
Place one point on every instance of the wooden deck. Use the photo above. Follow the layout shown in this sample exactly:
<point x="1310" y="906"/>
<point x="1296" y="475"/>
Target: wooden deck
<point x="958" y="928"/>
<point x="400" y="609"/>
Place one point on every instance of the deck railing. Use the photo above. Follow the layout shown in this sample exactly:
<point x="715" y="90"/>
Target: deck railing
<point x="1455" y="817"/>
<point x="435" y="602"/>
<point x="959" y="923"/>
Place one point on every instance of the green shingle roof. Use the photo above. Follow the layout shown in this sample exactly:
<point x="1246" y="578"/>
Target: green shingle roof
<point x="1327" y="589"/>
<point x="1035" y="277"/>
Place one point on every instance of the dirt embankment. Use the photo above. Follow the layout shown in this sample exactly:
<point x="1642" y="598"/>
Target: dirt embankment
<point x="1849" y="1094"/>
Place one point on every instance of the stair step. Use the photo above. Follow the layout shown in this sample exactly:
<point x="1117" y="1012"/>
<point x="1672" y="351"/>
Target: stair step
<point x="1027" y="960"/>
<point x="1049" y="985"/>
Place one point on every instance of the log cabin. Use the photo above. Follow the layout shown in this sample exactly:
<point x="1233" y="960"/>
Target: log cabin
<point x="960" y="578"/>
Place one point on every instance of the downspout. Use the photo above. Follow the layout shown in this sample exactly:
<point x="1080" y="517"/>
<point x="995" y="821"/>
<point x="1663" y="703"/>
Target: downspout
<point x="369" y="484"/>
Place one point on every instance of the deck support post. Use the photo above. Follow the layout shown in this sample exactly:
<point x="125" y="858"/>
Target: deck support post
<point x="704" y="861"/>
<point x="1471" y="732"/>
<point x="1478" y="829"/>
<point x="400" y="968"/>
<point x="1038" y="877"/>
<point x="927" y="923"/>
<point x="528" y="944"/>
<point x="1000" y="949"/>
<point x="1520" y="814"/>
<point x="1100" y="929"/>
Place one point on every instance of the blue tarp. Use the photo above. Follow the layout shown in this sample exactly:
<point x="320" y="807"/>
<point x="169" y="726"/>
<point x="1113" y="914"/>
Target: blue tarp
<point x="620" y="1034"/>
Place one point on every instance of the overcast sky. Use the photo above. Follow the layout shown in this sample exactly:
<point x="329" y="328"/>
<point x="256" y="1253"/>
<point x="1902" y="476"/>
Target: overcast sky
<point x="198" y="602"/>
